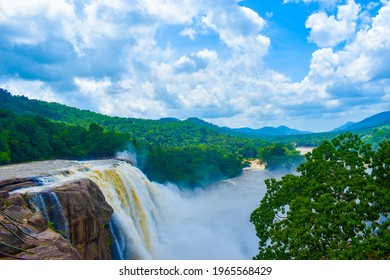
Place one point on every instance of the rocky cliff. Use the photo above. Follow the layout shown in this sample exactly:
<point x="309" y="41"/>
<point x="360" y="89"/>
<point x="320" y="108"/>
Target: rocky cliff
<point x="27" y="233"/>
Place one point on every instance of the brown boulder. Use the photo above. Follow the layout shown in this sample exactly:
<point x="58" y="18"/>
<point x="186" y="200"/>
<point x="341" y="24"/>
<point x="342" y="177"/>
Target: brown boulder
<point x="38" y="222"/>
<point x="88" y="216"/>
<point x="50" y="245"/>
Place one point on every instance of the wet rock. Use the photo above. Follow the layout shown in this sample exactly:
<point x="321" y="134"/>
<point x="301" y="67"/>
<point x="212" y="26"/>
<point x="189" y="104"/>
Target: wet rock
<point x="4" y="194"/>
<point x="15" y="183"/>
<point x="38" y="222"/>
<point x="50" y="245"/>
<point x="88" y="215"/>
<point x="17" y="199"/>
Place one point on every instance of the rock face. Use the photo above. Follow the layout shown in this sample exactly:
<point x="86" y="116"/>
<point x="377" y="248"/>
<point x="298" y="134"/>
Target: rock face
<point x="26" y="233"/>
<point x="88" y="216"/>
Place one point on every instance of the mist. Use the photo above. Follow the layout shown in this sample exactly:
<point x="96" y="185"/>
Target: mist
<point x="211" y="223"/>
<point x="154" y="221"/>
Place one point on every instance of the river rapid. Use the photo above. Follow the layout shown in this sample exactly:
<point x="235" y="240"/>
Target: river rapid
<point x="213" y="223"/>
<point x="154" y="221"/>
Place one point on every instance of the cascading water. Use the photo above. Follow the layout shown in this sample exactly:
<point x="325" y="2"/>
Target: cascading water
<point x="153" y="221"/>
<point x="48" y="204"/>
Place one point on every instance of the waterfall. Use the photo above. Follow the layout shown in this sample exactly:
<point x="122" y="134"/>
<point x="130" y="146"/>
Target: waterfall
<point x="128" y="191"/>
<point x="132" y="196"/>
<point x="48" y="204"/>
<point x="153" y="221"/>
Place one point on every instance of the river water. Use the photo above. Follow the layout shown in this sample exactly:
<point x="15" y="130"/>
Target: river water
<point x="213" y="223"/>
<point x="153" y="221"/>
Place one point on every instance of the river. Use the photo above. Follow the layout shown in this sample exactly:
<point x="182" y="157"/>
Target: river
<point x="213" y="223"/>
<point x="153" y="221"/>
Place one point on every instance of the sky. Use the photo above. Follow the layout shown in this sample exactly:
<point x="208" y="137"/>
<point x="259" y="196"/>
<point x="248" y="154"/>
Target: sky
<point x="308" y="64"/>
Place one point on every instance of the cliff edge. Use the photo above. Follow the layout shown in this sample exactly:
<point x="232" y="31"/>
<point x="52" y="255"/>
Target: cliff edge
<point x="78" y="206"/>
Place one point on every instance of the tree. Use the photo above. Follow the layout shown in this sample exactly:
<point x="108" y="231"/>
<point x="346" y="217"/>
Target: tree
<point x="280" y="156"/>
<point x="5" y="153"/>
<point x="337" y="208"/>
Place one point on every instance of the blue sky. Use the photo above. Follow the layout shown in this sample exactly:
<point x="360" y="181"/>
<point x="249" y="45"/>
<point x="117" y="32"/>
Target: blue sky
<point x="308" y="64"/>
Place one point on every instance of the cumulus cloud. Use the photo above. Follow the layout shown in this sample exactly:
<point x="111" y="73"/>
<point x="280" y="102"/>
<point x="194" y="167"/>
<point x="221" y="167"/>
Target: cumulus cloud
<point x="328" y="31"/>
<point x="24" y="22"/>
<point x="195" y="62"/>
<point x="126" y="58"/>
<point x="239" y="28"/>
<point x="33" y="89"/>
<point x="355" y="77"/>
<point x="189" y="32"/>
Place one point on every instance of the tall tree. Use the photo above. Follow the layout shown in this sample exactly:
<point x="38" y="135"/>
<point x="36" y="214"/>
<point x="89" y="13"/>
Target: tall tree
<point x="337" y="208"/>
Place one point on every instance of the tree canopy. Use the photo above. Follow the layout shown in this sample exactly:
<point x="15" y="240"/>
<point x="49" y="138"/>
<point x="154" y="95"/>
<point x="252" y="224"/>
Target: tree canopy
<point x="279" y="155"/>
<point x="336" y="208"/>
<point x="33" y="137"/>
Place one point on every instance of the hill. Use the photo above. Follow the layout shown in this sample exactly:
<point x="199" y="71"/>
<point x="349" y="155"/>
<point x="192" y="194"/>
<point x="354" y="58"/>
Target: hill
<point x="188" y="153"/>
<point x="172" y="132"/>
<point x="373" y="121"/>
<point x="343" y="127"/>
<point x="270" y="131"/>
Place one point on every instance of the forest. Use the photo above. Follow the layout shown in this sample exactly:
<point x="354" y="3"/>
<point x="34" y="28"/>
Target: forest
<point x="189" y="153"/>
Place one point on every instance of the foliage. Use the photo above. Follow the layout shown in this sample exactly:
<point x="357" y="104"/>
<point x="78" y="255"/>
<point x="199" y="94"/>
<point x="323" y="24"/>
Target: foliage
<point x="165" y="132"/>
<point x="335" y="209"/>
<point x="189" y="152"/>
<point x="377" y="135"/>
<point x="26" y="138"/>
<point x="189" y="166"/>
<point x="280" y="156"/>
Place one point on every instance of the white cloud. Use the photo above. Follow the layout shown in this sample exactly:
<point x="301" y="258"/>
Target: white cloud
<point x="189" y="32"/>
<point x="90" y="86"/>
<point x="171" y="11"/>
<point x="366" y="57"/>
<point x="30" y="22"/>
<point x="239" y="28"/>
<point x="128" y="60"/>
<point x="328" y="31"/>
<point x="32" y="89"/>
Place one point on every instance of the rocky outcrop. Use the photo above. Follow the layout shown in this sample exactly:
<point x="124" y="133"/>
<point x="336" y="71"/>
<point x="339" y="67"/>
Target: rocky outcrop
<point x="10" y="184"/>
<point x="88" y="216"/>
<point x="25" y="233"/>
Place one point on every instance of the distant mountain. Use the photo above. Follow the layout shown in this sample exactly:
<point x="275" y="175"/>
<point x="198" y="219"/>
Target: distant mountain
<point x="250" y="132"/>
<point x="373" y="121"/>
<point x="166" y="128"/>
<point x="343" y="127"/>
<point x="270" y="131"/>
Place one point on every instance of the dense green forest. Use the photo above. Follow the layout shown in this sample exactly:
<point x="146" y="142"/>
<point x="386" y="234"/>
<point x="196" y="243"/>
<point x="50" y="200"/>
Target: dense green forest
<point x="371" y="135"/>
<point x="189" y="152"/>
<point x="165" y="132"/>
<point x="173" y="132"/>
<point x="338" y="207"/>
<point x="32" y="137"/>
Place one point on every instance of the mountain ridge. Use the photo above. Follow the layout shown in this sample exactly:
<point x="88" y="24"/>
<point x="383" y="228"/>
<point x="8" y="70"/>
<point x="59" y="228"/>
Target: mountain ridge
<point x="59" y="112"/>
<point x="379" y="119"/>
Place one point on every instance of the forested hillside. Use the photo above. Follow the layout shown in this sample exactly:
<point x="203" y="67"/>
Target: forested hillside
<point x="189" y="153"/>
<point x="165" y="132"/>
<point x="32" y="137"/>
<point x="186" y="152"/>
